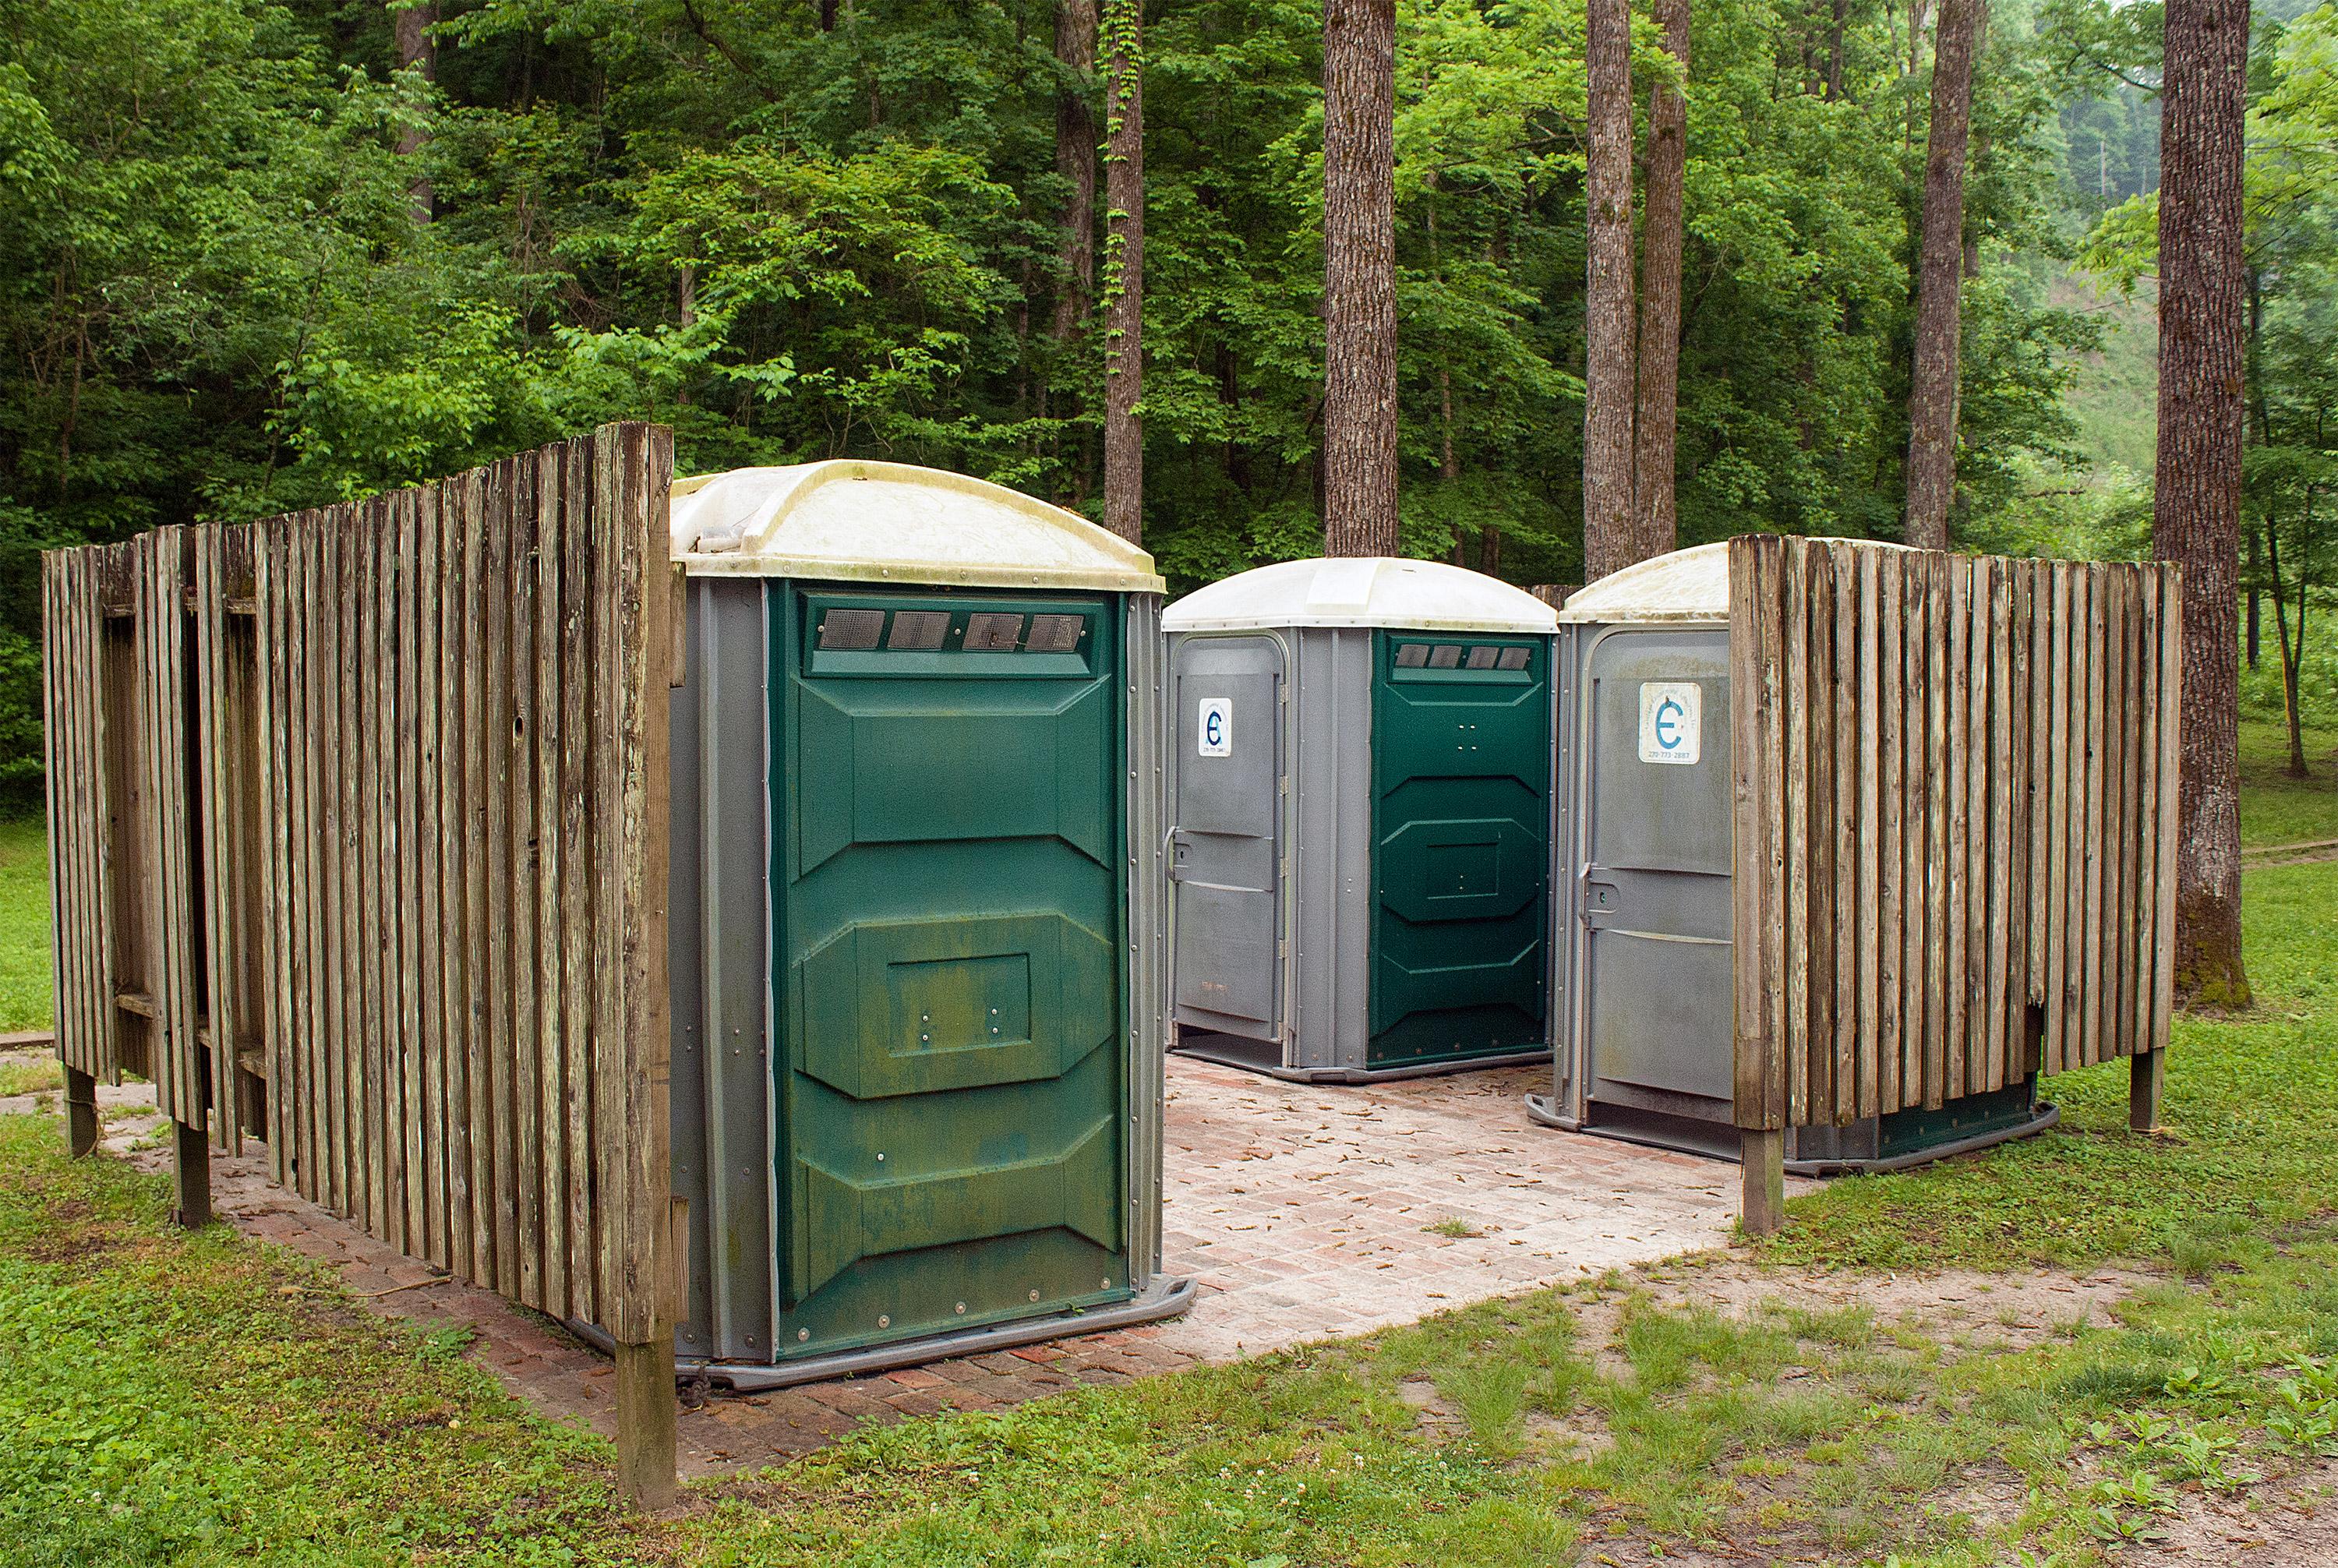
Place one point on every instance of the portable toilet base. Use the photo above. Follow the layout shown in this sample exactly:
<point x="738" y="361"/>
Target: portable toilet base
<point x="916" y="903"/>
<point x="1360" y="786"/>
<point x="1642" y="986"/>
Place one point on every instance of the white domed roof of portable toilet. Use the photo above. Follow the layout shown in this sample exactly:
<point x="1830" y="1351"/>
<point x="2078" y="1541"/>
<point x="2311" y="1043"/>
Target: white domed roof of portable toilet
<point x="1362" y="590"/>
<point x="852" y="521"/>
<point x="1685" y="585"/>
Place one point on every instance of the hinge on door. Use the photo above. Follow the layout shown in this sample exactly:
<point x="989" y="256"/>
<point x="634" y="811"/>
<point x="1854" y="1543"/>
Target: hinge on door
<point x="1282" y="785"/>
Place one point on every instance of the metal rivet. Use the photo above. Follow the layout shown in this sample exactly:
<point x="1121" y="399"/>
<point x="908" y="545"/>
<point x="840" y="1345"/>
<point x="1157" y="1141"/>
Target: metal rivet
<point x="1104" y="1284"/>
<point x="884" y="1322"/>
<point x="1034" y="1295"/>
<point x="880" y="1158"/>
<point x="802" y="1334"/>
<point x="961" y="1307"/>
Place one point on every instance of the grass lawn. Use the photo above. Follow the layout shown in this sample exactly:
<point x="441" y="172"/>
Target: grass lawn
<point x="24" y="978"/>
<point x="204" y="1400"/>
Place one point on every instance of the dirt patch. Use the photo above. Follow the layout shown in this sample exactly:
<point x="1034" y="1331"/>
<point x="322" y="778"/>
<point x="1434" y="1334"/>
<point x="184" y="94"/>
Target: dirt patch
<point x="2291" y="1523"/>
<point x="1996" y="1311"/>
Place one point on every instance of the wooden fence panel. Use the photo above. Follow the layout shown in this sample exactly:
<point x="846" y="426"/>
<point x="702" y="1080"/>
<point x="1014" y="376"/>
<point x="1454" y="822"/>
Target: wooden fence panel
<point x="358" y="845"/>
<point x="1952" y="778"/>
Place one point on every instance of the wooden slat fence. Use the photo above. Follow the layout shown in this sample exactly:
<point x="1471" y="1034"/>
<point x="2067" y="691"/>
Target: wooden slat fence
<point x="1954" y="786"/>
<point x="358" y="846"/>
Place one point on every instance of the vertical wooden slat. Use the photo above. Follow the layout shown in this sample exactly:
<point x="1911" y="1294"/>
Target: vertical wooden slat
<point x="1848" y="745"/>
<point x="2021" y="878"/>
<point x="582" y="588"/>
<point x="1969" y="920"/>
<point x="2001" y="782"/>
<point x="645" y="469"/>
<point x="2171" y="691"/>
<point x="495" y="780"/>
<point x="490" y="1259"/>
<point x="2088" y="916"/>
<point x="1885" y="815"/>
<point x="1878" y="1035"/>
<point x="1819" y="834"/>
<point x="519" y="743"/>
<point x="552" y="1114"/>
<point x="2118" y="1027"/>
<point x="459" y="500"/>
<point x="1915" y="843"/>
<point x="420" y="684"/>
<point x="1794" y="1041"/>
<point x="2057" y="821"/>
<point x="1938" y="841"/>
<point x="2144" y="894"/>
<point x="1752" y="610"/>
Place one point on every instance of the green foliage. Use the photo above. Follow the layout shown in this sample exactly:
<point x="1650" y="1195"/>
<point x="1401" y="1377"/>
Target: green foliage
<point x="25" y="974"/>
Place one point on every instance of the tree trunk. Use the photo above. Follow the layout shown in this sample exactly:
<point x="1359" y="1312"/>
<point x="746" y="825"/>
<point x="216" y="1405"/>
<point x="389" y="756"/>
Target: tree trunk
<point x="1608" y="520"/>
<point x="2290" y="660"/>
<point x="1654" y="516"/>
<point x="1834" y="49"/>
<point x="1932" y="394"/>
<point x="1075" y="160"/>
<point x="417" y="50"/>
<point x="1359" y="404"/>
<point x="2196" y="504"/>
<point x="1124" y="377"/>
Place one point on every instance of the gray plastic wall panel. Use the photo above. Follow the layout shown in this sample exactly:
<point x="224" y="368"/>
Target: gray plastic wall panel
<point x="1148" y="910"/>
<point x="1565" y="873"/>
<point x="1330" y="835"/>
<point x="687" y="1012"/>
<point x="719" y="967"/>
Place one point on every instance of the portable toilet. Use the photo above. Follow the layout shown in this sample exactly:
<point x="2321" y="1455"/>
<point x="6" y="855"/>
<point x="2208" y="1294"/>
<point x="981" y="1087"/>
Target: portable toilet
<point x="1360" y="787"/>
<point x="916" y="912"/>
<point x="1643" y="989"/>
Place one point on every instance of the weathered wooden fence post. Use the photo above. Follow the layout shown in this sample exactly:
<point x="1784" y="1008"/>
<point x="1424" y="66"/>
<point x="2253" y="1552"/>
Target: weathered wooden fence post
<point x="81" y="1113"/>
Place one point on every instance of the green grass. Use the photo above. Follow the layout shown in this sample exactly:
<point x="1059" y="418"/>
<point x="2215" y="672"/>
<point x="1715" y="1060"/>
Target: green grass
<point x="201" y="1400"/>
<point x="25" y="976"/>
<point x="204" y="1400"/>
<point x="2276" y="808"/>
<point x="30" y="1077"/>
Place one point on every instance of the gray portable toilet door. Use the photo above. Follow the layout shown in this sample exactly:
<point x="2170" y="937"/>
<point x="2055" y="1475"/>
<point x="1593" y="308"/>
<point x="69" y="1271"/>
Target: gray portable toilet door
<point x="1228" y="841"/>
<point x="1656" y="908"/>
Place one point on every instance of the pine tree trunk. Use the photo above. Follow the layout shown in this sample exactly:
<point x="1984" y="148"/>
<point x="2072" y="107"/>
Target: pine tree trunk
<point x="2196" y="504"/>
<point x="1939" y="258"/>
<point x="1359" y="391"/>
<point x="1123" y="379"/>
<point x="417" y="50"/>
<point x="1075" y="161"/>
<point x="1654" y="517"/>
<point x="1607" y="358"/>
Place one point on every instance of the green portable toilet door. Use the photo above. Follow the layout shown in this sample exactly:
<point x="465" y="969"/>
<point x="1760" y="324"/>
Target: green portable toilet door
<point x="947" y="962"/>
<point x="1461" y="846"/>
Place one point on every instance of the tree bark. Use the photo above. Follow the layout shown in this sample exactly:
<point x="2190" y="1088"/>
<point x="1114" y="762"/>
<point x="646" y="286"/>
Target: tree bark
<point x="1075" y="160"/>
<point x="2291" y="659"/>
<point x="417" y="50"/>
<point x="1124" y="377"/>
<point x="1654" y="516"/>
<point x="1939" y="271"/>
<point x="1360" y="389"/>
<point x="2196" y="504"/>
<point x="1607" y="357"/>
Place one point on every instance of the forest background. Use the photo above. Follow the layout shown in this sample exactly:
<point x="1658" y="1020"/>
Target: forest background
<point x="248" y="264"/>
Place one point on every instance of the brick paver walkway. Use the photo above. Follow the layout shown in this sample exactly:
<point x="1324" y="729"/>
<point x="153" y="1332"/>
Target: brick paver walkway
<point x="1305" y="1211"/>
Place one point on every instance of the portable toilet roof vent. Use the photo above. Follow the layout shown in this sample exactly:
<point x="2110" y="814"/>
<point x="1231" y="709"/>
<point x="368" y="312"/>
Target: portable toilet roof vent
<point x="852" y="521"/>
<point x="1364" y="590"/>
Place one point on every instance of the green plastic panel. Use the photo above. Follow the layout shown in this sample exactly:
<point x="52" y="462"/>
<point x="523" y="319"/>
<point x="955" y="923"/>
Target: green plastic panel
<point x="948" y="961"/>
<point x="1461" y="846"/>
